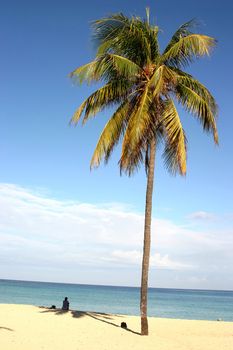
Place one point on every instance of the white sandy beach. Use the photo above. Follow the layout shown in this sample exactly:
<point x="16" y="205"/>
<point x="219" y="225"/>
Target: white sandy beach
<point x="24" y="327"/>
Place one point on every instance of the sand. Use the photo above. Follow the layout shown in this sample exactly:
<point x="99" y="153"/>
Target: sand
<point x="25" y="327"/>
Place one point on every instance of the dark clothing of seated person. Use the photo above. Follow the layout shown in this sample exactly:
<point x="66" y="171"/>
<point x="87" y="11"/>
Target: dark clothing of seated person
<point x="66" y="304"/>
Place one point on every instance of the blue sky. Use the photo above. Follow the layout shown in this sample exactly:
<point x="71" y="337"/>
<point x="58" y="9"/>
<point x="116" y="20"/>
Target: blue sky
<point x="45" y="162"/>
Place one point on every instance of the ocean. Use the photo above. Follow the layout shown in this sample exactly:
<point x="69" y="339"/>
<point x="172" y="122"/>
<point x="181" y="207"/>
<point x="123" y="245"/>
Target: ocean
<point x="162" y="302"/>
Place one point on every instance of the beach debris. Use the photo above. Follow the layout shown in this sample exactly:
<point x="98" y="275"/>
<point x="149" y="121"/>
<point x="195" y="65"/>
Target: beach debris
<point x="124" y="325"/>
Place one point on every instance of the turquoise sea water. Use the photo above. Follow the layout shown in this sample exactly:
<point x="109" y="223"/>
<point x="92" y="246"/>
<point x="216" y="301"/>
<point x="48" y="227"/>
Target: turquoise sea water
<point x="171" y="303"/>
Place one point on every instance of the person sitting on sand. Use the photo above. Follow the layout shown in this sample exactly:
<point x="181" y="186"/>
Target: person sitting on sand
<point x="66" y="304"/>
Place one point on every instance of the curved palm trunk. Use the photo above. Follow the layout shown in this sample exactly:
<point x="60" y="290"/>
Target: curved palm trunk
<point x="147" y="240"/>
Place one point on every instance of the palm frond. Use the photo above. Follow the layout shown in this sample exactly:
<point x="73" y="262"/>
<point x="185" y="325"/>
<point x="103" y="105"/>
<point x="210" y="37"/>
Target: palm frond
<point x="200" y="89"/>
<point x="132" y="158"/>
<point x="161" y="79"/>
<point x="139" y="119"/>
<point x="175" y="140"/>
<point x="148" y="15"/>
<point x="78" y="113"/>
<point x="187" y="49"/>
<point x="110" y="94"/>
<point x="138" y="131"/>
<point x="119" y="66"/>
<point x="110" y="135"/>
<point x="154" y="43"/>
<point x="87" y="73"/>
<point x="109" y="28"/>
<point x="183" y="31"/>
<point x="127" y="37"/>
<point x="105" y="67"/>
<point x="199" y="106"/>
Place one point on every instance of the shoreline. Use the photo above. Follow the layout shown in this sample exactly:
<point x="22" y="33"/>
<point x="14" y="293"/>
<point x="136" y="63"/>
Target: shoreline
<point x="122" y="315"/>
<point x="30" y="327"/>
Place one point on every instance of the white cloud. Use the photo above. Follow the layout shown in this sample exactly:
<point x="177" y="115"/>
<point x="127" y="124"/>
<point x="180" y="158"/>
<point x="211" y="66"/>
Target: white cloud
<point x="156" y="260"/>
<point x="39" y="235"/>
<point x="202" y="215"/>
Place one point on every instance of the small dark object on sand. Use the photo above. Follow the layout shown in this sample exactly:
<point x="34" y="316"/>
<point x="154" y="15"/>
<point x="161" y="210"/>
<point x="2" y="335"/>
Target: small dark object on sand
<point x="53" y="307"/>
<point x="124" y="325"/>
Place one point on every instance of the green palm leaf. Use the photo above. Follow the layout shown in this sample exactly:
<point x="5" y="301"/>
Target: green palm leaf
<point x="198" y="106"/>
<point x="127" y="38"/>
<point x="187" y="48"/>
<point x="162" y="77"/>
<point x="109" y="65"/>
<point x="87" y="73"/>
<point x="110" y="94"/>
<point x="183" y="31"/>
<point x="200" y="89"/>
<point x="110" y="135"/>
<point x="137" y="132"/>
<point x="109" y="28"/>
<point x="175" y="148"/>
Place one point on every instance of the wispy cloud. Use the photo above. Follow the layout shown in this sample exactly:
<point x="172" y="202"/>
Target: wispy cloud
<point x="202" y="215"/>
<point x="156" y="260"/>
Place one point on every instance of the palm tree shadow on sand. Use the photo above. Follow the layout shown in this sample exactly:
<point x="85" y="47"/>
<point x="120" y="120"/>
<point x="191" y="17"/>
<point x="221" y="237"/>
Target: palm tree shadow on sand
<point x="7" y="329"/>
<point x="99" y="316"/>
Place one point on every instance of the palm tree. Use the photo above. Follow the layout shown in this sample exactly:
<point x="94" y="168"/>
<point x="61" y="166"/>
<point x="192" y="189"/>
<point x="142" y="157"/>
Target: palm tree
<point x="144" y="85"/>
